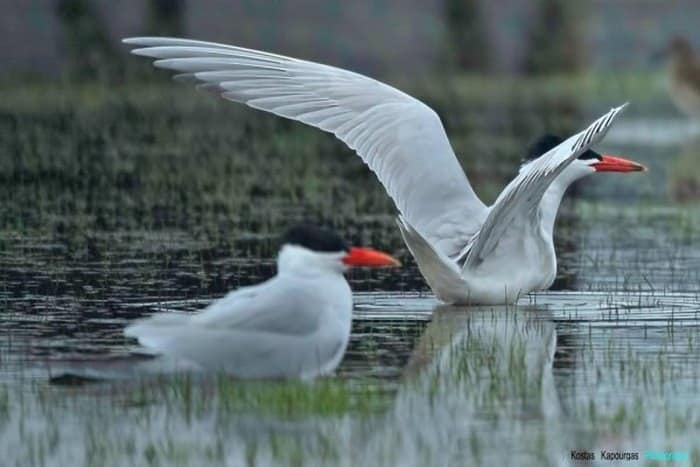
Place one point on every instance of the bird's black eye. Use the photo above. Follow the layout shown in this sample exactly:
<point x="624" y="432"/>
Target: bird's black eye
<point x="542" y="145"/>
<point x="590" y="155"/>
<point x="314" y="238"/>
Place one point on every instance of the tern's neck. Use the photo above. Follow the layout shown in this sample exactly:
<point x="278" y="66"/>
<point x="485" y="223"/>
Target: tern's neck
<point x="549" y="206"/>
<point x="302" y="261"/>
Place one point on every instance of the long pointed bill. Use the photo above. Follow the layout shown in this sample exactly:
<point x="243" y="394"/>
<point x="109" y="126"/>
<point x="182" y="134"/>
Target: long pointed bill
<point x="617" y="164"/>
<point x="368" y="257"/>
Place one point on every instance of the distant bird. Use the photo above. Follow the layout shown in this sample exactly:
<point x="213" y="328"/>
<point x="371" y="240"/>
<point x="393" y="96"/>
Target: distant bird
<point x="295" y="325"/>
<point x="684" y="76"/>
<point x="468" y="253"/>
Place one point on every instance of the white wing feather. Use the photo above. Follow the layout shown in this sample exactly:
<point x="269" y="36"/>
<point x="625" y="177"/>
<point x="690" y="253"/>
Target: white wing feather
<point x="400" y="138"/>
<point x="278" y="306"/>
<point x="524" y="192"/>
<point x="281" y="305"/>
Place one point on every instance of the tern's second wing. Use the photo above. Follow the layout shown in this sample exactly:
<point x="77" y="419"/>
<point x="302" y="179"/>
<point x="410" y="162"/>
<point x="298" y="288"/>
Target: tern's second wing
<point x="525" y="192"/>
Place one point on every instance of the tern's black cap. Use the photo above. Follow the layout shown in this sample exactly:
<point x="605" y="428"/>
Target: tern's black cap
<point x="314" y="238"/>
<point x="546" y="142"/>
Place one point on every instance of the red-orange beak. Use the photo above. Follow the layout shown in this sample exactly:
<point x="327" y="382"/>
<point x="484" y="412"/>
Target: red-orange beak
<point x="617" y="164"/>
<point x="369" y="257"/>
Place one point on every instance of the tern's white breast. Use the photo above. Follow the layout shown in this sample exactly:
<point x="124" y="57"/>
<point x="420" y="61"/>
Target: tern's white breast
<point x="523" y="261"/>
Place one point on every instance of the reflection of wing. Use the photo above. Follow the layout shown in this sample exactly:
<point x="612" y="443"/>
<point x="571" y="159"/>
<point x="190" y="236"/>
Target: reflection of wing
<point x="525" y="192"/>
<point x="472" y="365"/>
<point x="400" y="138"/>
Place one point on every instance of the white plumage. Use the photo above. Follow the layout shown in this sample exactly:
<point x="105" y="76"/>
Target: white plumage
<point x="296" y="324"/>
<point x="467" y="252"/>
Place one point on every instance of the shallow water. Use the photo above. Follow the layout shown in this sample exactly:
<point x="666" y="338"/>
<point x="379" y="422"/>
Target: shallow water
<point x="608" y="360"/>
<point x="560" y="372"/>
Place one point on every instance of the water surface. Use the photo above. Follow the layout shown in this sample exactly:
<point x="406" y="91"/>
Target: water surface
<point x="119" y="209"/>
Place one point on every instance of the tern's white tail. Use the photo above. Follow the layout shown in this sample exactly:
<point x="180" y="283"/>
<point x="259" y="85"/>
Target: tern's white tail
<point x="151" y="331"/>
<point x="441" y="273"/>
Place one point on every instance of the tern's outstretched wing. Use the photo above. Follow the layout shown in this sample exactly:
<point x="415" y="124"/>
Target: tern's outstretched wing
<point x="400" y="138"/>
<point x="524" y="192"/>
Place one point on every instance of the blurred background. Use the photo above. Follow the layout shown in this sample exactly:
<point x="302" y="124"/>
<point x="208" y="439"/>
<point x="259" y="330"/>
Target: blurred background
<point x="81" y="37"/>
<point x="123" y="193"/>
<point x="105" y="164"/>
<point x="96" y="144"/>
<point x="103" y="156"/>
